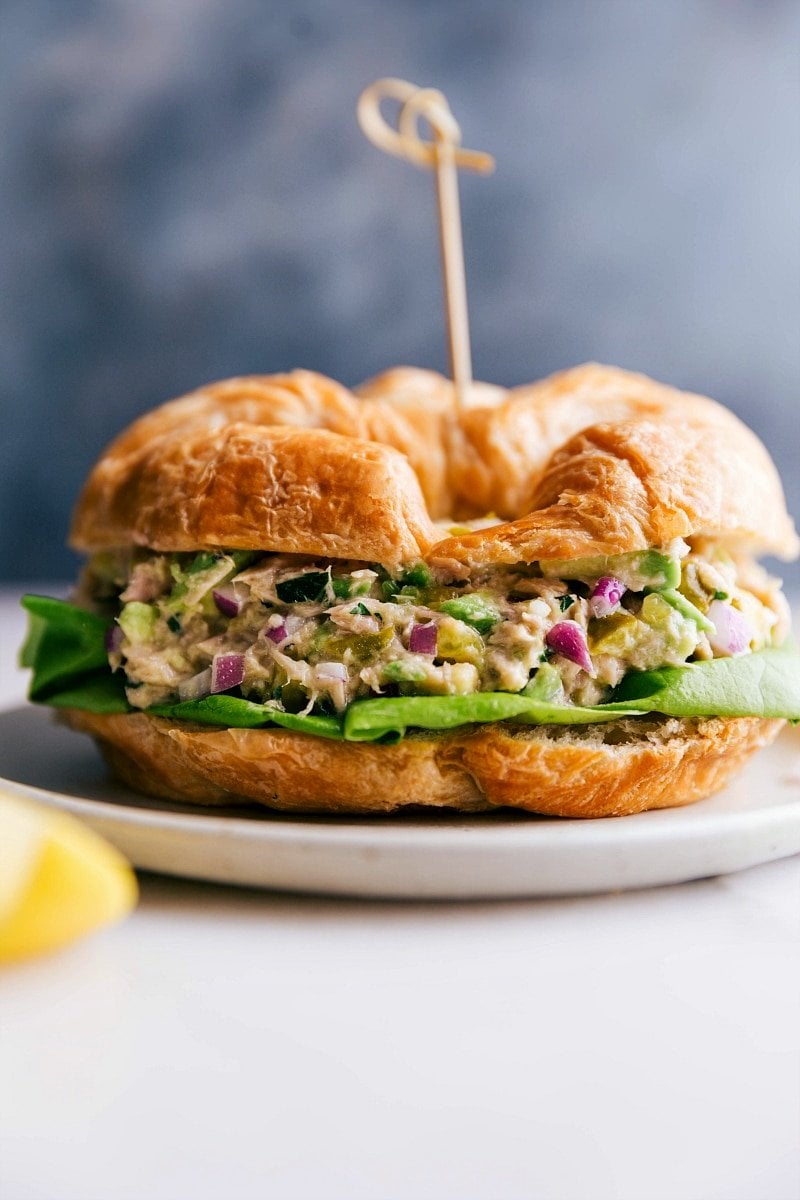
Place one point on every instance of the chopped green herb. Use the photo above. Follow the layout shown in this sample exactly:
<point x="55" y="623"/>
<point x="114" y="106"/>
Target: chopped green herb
<point x="565" y="602"/>
<point x="202" y="562"/>
<point x="419" y="575"/>
<point x="721" y="596"/>
<point x="174" y="624"/>
<point x="341" y="588"/>
<point x="360" y="610"/>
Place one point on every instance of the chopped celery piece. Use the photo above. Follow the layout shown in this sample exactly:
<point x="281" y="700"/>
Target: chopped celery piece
<point x="419" y="575"/>
<point x="137" y="621"/>
<point x="473" y="609"/>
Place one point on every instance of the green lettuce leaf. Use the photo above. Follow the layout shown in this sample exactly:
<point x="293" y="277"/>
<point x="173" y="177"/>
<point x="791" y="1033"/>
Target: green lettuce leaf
<point x="100" y="692"/>
<point x="236" y="713"/>
<point x="766" y="684"/>
<point x="389" y="718"/>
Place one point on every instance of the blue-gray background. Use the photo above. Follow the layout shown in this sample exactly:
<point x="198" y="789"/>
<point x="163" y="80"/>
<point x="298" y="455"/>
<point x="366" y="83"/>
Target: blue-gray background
<point x="184" y="195"/>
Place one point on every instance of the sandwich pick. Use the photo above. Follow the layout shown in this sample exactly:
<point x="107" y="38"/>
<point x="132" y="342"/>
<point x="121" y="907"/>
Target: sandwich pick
<point x="426" y="592"/>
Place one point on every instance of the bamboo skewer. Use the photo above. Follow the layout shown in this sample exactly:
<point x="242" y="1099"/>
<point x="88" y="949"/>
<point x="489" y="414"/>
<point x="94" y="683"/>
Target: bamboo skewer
<point x="445" y="155"/>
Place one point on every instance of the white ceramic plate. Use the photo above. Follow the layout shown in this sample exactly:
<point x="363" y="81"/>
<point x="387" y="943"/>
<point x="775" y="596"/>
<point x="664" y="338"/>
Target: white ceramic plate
<point x="754" y="820"/>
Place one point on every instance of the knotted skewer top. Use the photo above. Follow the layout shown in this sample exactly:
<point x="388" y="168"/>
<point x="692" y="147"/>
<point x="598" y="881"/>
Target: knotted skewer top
<point x="406" y="141"/>
<point x="445" y="155"/>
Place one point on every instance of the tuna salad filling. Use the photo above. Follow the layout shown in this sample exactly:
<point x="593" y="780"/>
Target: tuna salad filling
<point x="315" y="635"/>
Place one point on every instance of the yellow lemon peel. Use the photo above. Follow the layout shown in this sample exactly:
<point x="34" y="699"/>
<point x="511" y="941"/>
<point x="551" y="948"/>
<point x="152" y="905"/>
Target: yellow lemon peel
<point x="58" y="880"/>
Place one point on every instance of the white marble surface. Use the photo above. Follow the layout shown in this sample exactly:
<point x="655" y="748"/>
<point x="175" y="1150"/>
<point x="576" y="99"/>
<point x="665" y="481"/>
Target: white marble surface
<point x="224" y="1043"/>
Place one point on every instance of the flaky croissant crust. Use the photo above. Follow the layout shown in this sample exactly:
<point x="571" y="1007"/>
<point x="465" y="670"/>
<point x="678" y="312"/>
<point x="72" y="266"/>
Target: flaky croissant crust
<point x="595" y="460"/>
<point x="592" y="461"/>
<point x="624" y="767"/>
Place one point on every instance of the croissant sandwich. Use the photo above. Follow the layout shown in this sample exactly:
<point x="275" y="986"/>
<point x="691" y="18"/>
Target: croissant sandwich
<point x="330" y="601"/>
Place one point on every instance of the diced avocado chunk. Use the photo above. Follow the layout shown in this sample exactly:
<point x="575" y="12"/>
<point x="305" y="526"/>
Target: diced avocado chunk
<point x="680" y="632"/>
<point x="685" y="608"/>
<point x="137" y="621"/>
<point x="663" y="569"/>
<point x="545" y="685"/>
<point x="642" y="569"/>
<point x="616" y="634"/>
<point x="458" y="642"/>
<point x="473" y="609"/>
<point x="403" y="671"/>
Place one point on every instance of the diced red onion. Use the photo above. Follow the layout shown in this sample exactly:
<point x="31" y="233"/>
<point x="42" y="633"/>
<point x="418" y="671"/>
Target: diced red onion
<point x="227" y="601"/>
<point x="606" y="595"/>
<point x="568" y="639"/>
<point x="422" y="639"/>
<point x="333" y="671"/>
<point x="277" y="633"/>
<point x="114" y="637"/>
<point x="196" y="687"/>
<point x="732" y="631"/>
<point x="227" y="671"/>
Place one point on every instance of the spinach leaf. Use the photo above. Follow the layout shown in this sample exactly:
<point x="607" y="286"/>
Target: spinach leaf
<point x="64" y="643"/>
<point x="303" y="587"/>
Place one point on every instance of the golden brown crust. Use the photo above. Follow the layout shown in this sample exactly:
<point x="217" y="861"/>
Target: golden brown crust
<point x="623" y="767"/>
<point x="259" y="488"/>
<point x="416" y="411"/>
<point x="615" y="488"/>
<point x="504" y="452"/>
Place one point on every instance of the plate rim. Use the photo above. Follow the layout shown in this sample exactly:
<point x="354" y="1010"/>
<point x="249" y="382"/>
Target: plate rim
<point x="466" y="857"/>
<point x="322" y="828"/>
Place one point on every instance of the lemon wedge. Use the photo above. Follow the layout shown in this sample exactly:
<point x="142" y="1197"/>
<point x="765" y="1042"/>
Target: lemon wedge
<point x="58" y="880"/>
